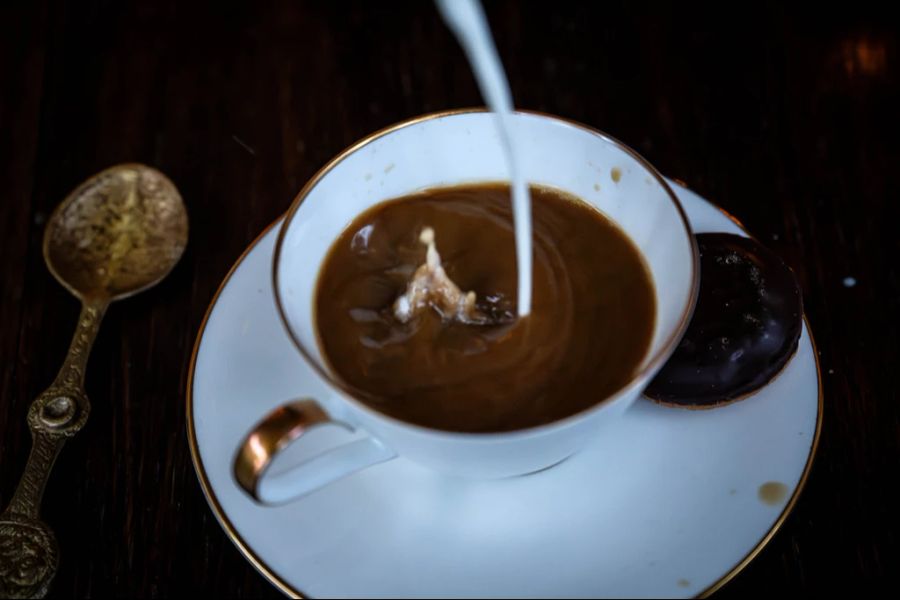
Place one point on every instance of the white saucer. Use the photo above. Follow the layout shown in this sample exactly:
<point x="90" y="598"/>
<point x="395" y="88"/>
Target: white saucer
<point x="667" y="504"/>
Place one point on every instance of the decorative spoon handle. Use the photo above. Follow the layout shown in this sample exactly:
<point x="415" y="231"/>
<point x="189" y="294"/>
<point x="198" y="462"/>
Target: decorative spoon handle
<point x="28" y="550"/>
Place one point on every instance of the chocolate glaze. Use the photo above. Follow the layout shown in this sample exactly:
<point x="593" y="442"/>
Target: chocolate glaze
<point x="743" y="331"/>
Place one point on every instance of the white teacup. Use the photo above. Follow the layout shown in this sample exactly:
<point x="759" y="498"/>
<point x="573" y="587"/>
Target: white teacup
<point x="448" y="149"/>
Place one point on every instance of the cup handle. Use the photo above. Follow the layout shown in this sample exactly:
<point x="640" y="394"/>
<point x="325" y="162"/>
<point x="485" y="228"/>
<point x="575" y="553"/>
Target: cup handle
<point x="285" y="425"/>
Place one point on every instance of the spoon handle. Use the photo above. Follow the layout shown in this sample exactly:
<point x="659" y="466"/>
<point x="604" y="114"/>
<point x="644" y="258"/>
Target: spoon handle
<point x="58" y="413"/>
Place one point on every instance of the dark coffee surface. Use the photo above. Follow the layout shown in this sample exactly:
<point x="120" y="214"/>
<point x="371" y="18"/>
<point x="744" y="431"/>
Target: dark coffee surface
<point x="744" y="329"/>
<point x="590" y="327"/>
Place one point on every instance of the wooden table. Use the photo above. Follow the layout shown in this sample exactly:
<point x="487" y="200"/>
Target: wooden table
<point x="788" y="119"/>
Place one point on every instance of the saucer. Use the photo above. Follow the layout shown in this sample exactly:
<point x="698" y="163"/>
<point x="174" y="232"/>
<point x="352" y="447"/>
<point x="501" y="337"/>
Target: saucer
<point x="670" y="503"/>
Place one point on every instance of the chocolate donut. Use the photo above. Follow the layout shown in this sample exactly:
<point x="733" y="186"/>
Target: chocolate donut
<point x="744" y="330"/>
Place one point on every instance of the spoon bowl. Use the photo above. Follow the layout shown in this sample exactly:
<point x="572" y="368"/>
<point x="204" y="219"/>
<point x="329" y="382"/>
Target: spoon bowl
<point x="118" y="233"/>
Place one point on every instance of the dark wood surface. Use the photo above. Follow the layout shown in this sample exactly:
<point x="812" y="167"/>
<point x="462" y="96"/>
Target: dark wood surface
<point x="786" y="118"/>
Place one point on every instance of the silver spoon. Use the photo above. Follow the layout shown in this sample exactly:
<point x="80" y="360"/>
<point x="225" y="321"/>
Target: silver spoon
<point x="118" y="233"/>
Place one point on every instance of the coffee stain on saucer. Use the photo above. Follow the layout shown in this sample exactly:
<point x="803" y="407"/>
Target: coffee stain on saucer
<point x="616" y="174"/>
<point x="772" y="493"/>
<point x="684" y="583"/>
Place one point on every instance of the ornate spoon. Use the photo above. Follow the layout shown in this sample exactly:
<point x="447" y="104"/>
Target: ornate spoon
<point x="118" y="233"/>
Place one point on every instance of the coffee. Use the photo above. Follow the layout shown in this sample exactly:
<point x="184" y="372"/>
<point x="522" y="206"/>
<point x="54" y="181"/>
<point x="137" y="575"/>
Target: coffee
<point x="590" y="327"/>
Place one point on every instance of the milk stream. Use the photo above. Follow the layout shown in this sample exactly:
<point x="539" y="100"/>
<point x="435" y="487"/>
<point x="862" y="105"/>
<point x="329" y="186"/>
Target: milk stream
<point x="467" y="21"/>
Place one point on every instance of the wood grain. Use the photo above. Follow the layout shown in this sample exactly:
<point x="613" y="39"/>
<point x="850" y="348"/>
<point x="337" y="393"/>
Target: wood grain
<point x="785" y="117"/>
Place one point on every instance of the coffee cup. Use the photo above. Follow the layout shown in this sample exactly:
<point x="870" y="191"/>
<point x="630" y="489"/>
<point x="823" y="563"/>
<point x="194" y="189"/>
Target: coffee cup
<point x="437" y="150"/>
